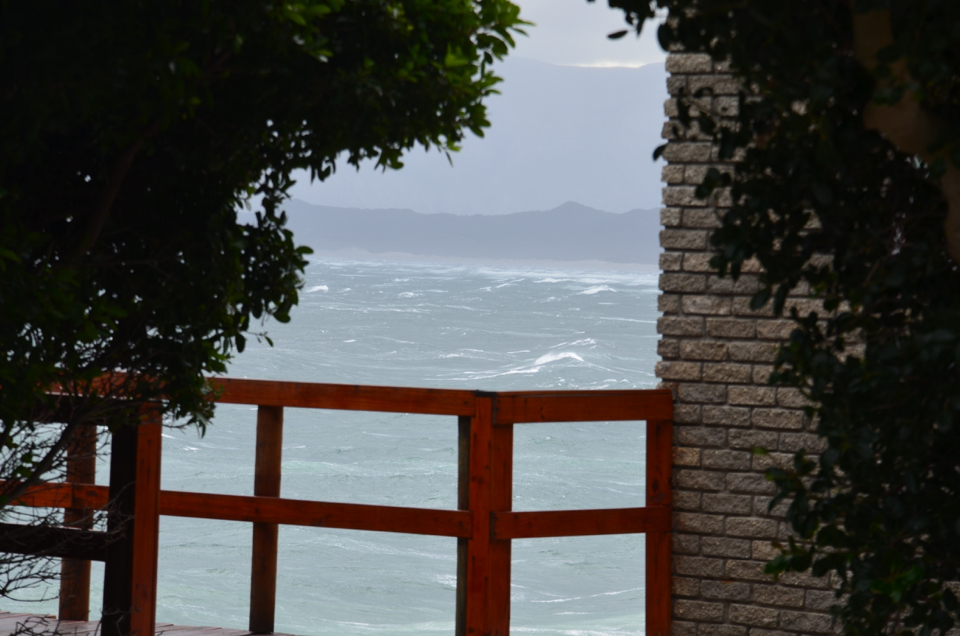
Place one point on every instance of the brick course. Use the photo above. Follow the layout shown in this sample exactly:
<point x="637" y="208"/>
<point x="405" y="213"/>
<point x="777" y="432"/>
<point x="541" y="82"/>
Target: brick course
<point x="716" y="354"/>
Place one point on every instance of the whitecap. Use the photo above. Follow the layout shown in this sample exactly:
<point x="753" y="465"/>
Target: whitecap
<point x="553" y="357"/>
<point x="317" y="288"/>
<point x="409" y="295"/>
<point x="626" y="319"/>
<point x="596" y="290"/>
<point x="576" y="343"/>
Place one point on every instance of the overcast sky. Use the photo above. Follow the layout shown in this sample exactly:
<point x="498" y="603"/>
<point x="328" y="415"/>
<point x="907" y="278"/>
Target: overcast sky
<point x="563" y="135"/>
<point x="574" y="33"/>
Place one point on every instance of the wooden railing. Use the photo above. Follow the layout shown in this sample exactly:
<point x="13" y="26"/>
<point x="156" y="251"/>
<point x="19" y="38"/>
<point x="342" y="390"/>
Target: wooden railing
<point x="484" y="524"/>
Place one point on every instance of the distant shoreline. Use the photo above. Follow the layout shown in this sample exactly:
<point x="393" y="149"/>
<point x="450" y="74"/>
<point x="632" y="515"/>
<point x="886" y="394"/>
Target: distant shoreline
<point x="570" y="235"/>
<point x="353" y="254"/>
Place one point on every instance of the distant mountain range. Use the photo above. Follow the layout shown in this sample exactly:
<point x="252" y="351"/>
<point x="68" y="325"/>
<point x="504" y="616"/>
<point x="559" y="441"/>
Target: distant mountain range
<point x="570" y="232"/>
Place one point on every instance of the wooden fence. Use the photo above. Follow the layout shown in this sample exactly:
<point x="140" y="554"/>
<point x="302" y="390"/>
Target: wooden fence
<point x="484" y="524"/>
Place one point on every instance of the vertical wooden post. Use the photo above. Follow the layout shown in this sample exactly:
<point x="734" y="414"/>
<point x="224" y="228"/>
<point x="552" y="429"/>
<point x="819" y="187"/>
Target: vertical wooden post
<point x="659" y="550"/>
<point x="130" y="572"/>
<point x="501" y="500"/>
<point x="478" y="547"/>
<point x="487" y="609"/>
<point x="75" y="573"/>
<point x="266" y="483"/>
<point x="463" y="503"/>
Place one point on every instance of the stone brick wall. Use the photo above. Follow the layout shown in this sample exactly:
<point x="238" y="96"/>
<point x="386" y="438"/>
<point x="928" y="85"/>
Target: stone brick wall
<point x="717" y="355"/>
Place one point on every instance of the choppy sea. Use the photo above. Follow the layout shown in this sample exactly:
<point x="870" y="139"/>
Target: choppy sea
<point x="433" y="325"/>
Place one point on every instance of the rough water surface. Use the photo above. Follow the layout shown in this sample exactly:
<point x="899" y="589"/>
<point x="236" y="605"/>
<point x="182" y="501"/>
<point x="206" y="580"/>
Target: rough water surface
<point x="431" y="325"/>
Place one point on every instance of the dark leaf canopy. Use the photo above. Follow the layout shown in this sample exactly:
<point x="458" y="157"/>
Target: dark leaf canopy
<point x="833" y="203"/>
<point x="132" y="132"/>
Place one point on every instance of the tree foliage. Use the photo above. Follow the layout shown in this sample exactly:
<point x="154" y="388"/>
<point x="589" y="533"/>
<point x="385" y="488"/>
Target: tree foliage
<point x="845" y="148"/>
<point x="131" y="134"/>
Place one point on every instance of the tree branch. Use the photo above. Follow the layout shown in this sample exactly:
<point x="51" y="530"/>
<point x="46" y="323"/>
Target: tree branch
<point x="96" y="222"/>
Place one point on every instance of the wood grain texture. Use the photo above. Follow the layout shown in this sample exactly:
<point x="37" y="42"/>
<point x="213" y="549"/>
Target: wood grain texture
<point x="130" y="573"/>
<point x="501" y="500"/>
<point x="576" y="523"/>
<point x="320" y="514"/>
<point x="463" y="503"/>
<point x="75" y="573"/>
<point x="659" y="462"/>
<point x="116" y="578"/>
<point x="146" y="530"/>
<point x="659" y="545"/>
<point x="87" y="545"/>
<point x="485" y="525"/>
<point x="344" y="397"/>
<point x="59" y="495"/>
<point x="298" y="512"/>
<point x="266" y="483"/>
<point x="478" y="548"/>
<point x="583" y="406"/>
<point x="658" y="592"/>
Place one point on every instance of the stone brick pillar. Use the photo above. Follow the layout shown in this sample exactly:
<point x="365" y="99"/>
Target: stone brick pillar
<point x="717" y="355"/>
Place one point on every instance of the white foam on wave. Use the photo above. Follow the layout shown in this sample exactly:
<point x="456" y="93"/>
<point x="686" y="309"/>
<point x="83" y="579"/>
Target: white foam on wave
<point x="525" y="369"/>
<point x="409" y="295"/>
<point x="597" y="289"/>
<point x="576" y="343"/>
<point x="617" y="318"/>
<point x="317" y="288"/>
<point x="553" y="357"/>
<point x="577" y="598"/>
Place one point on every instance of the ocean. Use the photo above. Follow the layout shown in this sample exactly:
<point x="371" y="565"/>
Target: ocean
<point x="404" y="323"/>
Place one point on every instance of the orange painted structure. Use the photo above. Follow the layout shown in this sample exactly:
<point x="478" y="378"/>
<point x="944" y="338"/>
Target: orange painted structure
<point x="484" y="524"/>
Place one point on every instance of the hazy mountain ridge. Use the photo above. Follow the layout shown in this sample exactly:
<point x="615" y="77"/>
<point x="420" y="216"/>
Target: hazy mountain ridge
<point x="570" y="232"/>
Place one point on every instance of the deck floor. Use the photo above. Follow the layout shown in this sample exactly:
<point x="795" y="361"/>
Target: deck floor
<point x="11" y="623"/>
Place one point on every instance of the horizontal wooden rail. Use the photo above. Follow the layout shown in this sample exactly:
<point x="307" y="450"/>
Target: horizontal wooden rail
<point x="61" y="495"/>
<point x="321" y="514"/>
<point x="294" y="512"/>
<point x="513" y="407"/>
<point x="344" y="397"/>
<point x="70" y="543"/>
<point x="484" y="525"/>
<point x="578" y="523"/>
<point x="592" y="406"/>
